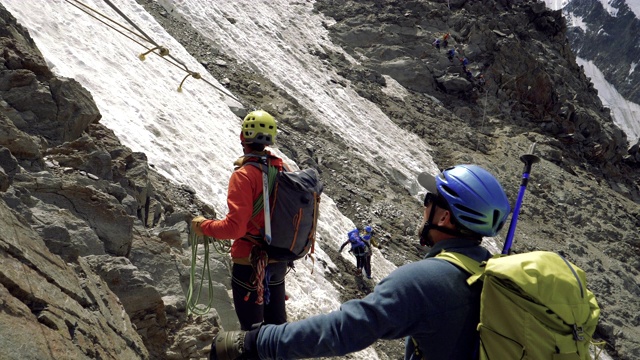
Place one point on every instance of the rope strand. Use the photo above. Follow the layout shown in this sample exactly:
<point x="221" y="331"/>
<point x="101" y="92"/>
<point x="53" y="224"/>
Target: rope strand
<point x="163" y="52"/>
<point x="193" y="305"/>
<point x="260" y="269"/>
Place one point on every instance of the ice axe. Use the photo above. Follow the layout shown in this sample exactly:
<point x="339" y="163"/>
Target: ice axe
<point x="528" y="160"/>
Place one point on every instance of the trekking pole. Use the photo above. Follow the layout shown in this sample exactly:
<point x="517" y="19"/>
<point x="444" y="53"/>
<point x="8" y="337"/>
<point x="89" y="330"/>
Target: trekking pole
<point x="528" y="160"/>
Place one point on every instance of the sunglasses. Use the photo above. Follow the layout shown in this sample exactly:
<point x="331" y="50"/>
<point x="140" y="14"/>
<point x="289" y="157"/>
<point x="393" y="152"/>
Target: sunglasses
<point x="430" y="198"/>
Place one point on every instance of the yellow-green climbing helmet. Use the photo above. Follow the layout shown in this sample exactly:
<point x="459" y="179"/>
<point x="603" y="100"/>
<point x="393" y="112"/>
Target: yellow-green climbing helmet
<point x="259" y="127"/>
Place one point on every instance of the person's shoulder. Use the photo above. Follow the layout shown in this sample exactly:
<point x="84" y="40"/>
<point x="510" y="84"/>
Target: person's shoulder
<point x="246" y="172"/>
<point x="425" y="268"/>
<point x="277" y="162"/>
<point x="433" y="275"/>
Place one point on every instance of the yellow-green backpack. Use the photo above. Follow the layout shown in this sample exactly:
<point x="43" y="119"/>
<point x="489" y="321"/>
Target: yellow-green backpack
<point x="534" y="305"/>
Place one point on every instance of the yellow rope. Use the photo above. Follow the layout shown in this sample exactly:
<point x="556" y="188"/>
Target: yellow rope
<point x="598" y="348"/>
<point x="108" y="25"/>
<point x="162" y="51"/>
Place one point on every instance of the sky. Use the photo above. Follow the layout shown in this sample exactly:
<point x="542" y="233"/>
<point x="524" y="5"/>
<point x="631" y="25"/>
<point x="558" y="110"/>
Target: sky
<point x="626" y="114"/>
<point x="192" y="137"/>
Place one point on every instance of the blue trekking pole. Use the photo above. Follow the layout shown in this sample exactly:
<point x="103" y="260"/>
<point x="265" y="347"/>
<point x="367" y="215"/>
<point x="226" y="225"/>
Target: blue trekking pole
<point x="528" y="160"/>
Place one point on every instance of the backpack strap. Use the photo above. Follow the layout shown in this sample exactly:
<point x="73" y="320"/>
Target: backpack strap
<point x="268" y="177"/>
<point x="271" y="172"/>
<point x="476" y="269"/>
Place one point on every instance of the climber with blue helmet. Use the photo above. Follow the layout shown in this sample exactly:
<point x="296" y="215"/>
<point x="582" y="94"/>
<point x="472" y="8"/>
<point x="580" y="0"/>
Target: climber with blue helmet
<point x="472" y="200"/>
<point x="428" y="302"/>
<point x="359" y="249"/>
<point x="368" y="236"/>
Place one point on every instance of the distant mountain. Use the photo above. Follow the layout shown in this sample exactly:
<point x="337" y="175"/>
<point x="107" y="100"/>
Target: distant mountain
<point x="606" y="34"/>
<point x="609" y="38"/>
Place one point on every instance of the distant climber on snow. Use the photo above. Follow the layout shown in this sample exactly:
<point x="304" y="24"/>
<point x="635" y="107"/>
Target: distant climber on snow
<point x="368" y="236"/>
<point x="358" y="249"/>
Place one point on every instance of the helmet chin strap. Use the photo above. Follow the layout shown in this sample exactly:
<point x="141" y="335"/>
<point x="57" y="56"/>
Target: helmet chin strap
<point x="428" y="226"/>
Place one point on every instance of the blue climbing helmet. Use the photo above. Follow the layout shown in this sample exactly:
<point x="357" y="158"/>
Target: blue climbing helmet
<point x="367" y="228"/>
<point x="353" y="233"/>
<point x="474" y="197"/>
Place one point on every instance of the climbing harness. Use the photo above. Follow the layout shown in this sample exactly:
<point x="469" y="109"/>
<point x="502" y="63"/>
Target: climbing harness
<point x="193" y="295"/>
<point x="142" y="39"/>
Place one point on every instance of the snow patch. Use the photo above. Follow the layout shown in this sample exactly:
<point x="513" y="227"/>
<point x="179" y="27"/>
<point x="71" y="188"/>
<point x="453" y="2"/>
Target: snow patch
<point x="576" y="21"/>
<point x="606" y="4"/>
<point x="626" y="114"/>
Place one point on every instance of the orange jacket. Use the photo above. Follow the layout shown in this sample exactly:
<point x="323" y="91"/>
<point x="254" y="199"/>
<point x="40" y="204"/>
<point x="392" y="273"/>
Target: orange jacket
<point x="245" y="185"/>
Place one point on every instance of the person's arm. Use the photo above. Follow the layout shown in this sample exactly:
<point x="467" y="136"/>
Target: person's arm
<point x="392" y="311"/>
<point x="425" y="300"/>
<point x="240" y="203"/>
<point x="343" y="245"/>
<point x="374" y="242"/>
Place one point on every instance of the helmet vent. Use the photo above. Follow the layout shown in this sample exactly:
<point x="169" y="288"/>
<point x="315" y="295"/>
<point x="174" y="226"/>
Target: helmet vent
<point x="449" y="191"/>
<point x="470" y="212"/>
<point x="471" y="220"/>
<point x="496" y="218"/>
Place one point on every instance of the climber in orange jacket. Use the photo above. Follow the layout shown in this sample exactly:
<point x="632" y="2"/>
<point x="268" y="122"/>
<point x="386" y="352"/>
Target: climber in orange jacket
<point x="245" y="186"/>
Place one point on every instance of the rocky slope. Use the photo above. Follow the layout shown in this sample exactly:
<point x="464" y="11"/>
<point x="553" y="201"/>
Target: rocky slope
<point x="102" y="238"/>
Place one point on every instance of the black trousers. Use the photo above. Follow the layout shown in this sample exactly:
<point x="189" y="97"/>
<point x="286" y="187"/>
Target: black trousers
<point x="360" y="253"/>
<point x="367" y="264"/>
<point x="244" y="291"/>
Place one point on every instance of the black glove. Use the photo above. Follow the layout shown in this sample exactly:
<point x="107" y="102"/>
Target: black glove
<point x="235" y="345"/>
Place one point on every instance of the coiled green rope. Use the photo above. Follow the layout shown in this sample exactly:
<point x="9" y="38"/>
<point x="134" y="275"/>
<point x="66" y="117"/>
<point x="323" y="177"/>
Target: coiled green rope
<point x="193" y="294"/>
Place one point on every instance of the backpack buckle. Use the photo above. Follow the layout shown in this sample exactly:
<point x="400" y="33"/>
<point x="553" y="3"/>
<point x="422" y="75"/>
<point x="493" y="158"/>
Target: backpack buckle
<point x="578" y="333"/>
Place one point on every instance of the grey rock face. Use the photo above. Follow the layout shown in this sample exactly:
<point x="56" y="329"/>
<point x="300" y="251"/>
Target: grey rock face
<point x="70" y="195"/>
<point x="58" y="309"/>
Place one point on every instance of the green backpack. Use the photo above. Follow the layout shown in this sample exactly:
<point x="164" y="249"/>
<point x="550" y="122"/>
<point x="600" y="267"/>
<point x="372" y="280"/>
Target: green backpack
<point x="533" y="306"/>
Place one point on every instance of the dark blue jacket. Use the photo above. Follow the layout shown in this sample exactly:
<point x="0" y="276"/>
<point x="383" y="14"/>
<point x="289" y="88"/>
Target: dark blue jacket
<point x="428" y="300"/>
<point x="357" y="244"/>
